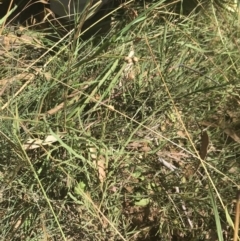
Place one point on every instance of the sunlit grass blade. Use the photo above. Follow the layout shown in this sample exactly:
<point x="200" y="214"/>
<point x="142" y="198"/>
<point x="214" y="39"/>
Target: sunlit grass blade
<point x="216" y="215"/>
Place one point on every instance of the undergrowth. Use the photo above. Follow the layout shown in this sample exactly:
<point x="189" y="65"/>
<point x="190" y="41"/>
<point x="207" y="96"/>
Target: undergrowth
<point x="128" y="135"/>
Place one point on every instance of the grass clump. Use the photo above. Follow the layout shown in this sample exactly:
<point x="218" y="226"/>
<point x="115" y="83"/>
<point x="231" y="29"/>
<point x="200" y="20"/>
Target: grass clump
<point x="131" y="135"/>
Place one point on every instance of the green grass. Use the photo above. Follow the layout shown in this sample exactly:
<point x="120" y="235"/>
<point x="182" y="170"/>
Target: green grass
<point x="88" y="135"/>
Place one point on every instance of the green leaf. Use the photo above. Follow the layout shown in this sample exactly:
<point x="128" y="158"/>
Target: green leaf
<point x="143" y="202"/>
<point x="3" y="20"/>
<point x="79" y="189"/>
<point x="216" y="215"/>
<point x="229" y="220"/>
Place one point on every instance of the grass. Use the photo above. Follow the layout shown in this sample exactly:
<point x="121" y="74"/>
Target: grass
<point x="131" y="135"/>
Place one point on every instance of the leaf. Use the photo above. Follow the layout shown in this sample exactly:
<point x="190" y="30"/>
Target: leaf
<point x="145" y="148"/>
<point x="101" y="169"/>
<point x="227" y="131"/>
<point x="18" y="77"/>
<point x="232" y="134"/>
<point x="143" y="202"/>
<point x="36" y="143"/>
<point x="204" y="145"/>
<point x="3" y="20"/>
<point x="228" y="217"/>
<point x="99" y="162"/>
<point x="80" y="188"/>
<point x="216" y="215"/>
